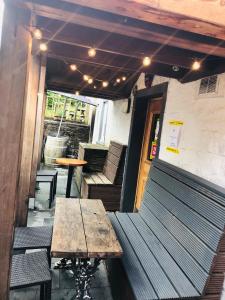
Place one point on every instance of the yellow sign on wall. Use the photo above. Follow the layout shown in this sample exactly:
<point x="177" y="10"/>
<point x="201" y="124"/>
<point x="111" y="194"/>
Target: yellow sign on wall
<point x="174" y="136"/>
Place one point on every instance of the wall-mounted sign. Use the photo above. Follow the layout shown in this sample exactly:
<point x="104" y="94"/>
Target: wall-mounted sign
<point x="174" y="136"/>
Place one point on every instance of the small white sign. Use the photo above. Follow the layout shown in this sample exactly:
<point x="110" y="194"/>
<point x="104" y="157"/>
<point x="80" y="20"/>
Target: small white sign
<point x="174" y="136"/>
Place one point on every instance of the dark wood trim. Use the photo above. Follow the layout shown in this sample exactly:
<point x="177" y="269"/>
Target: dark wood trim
<point x="13" y="76"/>
<point x="141" y="101"/>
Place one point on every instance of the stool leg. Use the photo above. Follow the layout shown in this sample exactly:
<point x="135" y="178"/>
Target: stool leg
<point x="54" y="182"/>
<point x="42" y="292"/>
<point x="48" y="290"/>
<point x="51" y="194"/>
<point x="49" y="256"/>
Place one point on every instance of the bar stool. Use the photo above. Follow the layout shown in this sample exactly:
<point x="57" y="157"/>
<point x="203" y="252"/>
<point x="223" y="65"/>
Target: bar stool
<point x="29" y="270"/>
<point x="49" y="173"/>
<point x="39" y="237"/>
<point x="48" y="179"/>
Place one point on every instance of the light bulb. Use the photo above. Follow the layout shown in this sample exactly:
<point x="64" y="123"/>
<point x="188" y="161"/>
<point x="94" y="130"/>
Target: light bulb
<point x="196" y="65"/>
<point x="85" y="77"/>
<point x="77" y="93"/>
<point x="37" y="34"/>
<point x="90" y="80"/>
<point x="73" y="67"/>
<point x="43" y="47"/>
<point x="105" y="83"/>
<point x="146" y="61"/>
<point x="118" y="80"/>
<point x="91" y="52"/>
<point x="124" y="78"/>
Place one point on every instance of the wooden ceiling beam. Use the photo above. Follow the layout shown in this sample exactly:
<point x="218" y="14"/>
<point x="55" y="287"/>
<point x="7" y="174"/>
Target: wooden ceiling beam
<point x="61" y="12"/>
<point x="71" y="51"/>
<point x="196" y="16"/>
<point x="66" y="87"/>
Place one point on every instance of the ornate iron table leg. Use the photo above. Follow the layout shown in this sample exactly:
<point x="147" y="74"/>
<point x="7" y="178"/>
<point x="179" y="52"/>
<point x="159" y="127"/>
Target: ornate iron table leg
<point x="84" y="270"/>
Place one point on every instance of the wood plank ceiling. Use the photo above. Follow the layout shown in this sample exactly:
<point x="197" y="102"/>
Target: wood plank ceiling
<point x="122" y="35"/>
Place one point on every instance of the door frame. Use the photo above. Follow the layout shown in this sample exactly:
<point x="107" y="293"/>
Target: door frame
<point x="137" y="127"/>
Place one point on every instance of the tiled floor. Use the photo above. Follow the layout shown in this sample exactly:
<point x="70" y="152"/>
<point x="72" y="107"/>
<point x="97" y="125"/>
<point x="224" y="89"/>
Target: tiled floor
<point x="62" y="281"/>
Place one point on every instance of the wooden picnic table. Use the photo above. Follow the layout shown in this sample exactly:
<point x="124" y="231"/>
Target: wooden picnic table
<point x="82" y="231"/>
<point x="71" y="163"/>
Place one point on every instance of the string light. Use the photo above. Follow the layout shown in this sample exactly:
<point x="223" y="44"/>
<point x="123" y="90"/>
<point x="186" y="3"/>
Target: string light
<point x="77" y="93"/>
<point x="73" y="67"/>
<point x="124" y="78"/>
<point x="196" y="65"/>
<point x="146" y="61"/>
<point x="90" y="80"/>
<point x="91" y="52"/>
<point x="85" y="77"/>
<point x="43" y="47"/>
<point x="105" y="83"/>
<point x="118" y="80"/>
<point x="37" y="34"/>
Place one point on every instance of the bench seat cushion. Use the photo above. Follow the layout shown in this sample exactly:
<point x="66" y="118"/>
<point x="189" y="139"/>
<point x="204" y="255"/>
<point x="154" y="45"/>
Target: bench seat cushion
<point x="96" y="178"/>
<point x="176" y="239"/>
<point x="151" y="270"/>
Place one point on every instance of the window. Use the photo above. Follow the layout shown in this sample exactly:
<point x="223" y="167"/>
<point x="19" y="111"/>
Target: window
<point x="208" y="85"/>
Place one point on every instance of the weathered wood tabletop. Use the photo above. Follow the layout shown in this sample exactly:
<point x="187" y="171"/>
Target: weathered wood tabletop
<point x="71" y="162"/>
<point x="82" y="229"/>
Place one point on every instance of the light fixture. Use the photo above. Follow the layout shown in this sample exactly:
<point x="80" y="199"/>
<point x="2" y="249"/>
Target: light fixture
<point x="196" y="65"/>
<point x="118" y="80"/>
<point x="77" y="93"/>
<point x="105" y="83"/>
<point x="95" y="87"/>
<point x="146" y="61"/>
<point x="124" y="78"/>
<point x="90" y="80"/>
<point x="91" y="52"/>
<point x="73" y="67"/>
<point x="43" y="47"/>
<point x="37" y="34"/>
<point x="85" y="77"/>
<point x="175" y="68"/>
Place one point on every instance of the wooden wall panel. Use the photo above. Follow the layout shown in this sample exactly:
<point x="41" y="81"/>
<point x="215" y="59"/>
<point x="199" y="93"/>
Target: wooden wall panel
<point x="29" y="118"/>
<point x="39" y="126"/>
<point x="13" y="73"/>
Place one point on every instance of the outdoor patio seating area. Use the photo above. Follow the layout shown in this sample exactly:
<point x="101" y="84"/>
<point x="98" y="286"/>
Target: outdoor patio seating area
<point x="112" y="149"/>
<point x="62" y="280"/>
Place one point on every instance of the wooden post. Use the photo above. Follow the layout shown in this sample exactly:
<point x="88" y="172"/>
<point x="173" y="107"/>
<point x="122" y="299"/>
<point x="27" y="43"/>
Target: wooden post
<point x="39" y="127"/>
<point x="15" y="47"/>
<point x="28" y="137"/>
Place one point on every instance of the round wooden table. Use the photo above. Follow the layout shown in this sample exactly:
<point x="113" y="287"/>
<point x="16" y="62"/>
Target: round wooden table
<point x="71" y="163"/>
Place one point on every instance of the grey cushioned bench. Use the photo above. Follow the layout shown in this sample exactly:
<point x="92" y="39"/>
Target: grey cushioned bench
<point x="174" y="247"/>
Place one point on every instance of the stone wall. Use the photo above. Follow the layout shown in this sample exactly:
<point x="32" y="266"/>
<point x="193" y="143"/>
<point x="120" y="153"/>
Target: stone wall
<point x="75" y="131"/>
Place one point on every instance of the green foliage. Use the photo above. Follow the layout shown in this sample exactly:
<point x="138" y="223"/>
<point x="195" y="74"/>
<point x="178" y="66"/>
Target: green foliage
<point x="55" y="106"/>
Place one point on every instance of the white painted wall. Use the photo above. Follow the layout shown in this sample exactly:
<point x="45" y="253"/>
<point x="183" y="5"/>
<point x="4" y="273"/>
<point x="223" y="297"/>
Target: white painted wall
<point x="119" y="122"/>
<point x="202" y="143"/>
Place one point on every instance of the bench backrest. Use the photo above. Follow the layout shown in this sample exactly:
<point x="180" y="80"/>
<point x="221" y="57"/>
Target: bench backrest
<point x="114" y="164"/>
<point x="187" y="215"/>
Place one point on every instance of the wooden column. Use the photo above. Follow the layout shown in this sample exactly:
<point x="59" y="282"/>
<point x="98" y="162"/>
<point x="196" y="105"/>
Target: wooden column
<point x="39" y="127"/>
<point x="30" y="107"/>
<point x="15" y="48"/>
